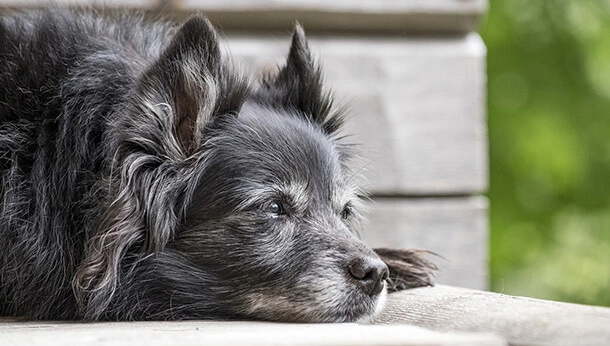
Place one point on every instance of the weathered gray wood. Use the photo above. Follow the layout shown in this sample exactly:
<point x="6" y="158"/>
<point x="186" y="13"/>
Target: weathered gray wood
<point x="340" y="15"/>
<point x="455" y="228"/>
<point x="520" y="320"/>
<point x="228" y="334"/>
<point x="417" y="106"/>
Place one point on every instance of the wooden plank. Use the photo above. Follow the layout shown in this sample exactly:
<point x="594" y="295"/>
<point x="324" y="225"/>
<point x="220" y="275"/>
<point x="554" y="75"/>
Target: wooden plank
<point x="228" y="334"/>
<point x="341" y="15"/>
<point x="455" y="228"/>
<point x="416" y="106"/>
<point x="519" y="320"/>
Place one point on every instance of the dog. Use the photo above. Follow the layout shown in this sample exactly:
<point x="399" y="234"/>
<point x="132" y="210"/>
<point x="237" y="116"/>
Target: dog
<point x="145" y="178"/>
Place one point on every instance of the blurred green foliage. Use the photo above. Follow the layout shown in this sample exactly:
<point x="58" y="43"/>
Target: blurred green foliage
<point x="549" y="132"/>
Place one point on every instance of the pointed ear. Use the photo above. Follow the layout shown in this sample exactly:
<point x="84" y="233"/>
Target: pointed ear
<point x="188" y="86"/>
<point x="299" y="85"/>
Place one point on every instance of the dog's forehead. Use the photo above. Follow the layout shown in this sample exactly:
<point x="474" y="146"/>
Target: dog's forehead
<point x="288" y="142"/>
<point x="286" y="150"/>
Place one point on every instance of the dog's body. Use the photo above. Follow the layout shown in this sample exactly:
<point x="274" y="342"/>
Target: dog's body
<point x="143" y="178"/>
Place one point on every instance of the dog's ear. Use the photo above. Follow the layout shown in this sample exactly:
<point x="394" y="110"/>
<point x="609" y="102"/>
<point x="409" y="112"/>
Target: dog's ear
<point x="299" y="85"/>
<point x="186" y="88"/>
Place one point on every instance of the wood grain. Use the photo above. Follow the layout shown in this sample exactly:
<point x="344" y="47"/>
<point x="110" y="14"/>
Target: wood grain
<point x="228" y="334"/>
<point x="519" y="320"/>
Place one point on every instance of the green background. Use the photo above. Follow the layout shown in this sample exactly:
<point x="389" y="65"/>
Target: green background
<point x="549" y="133"/>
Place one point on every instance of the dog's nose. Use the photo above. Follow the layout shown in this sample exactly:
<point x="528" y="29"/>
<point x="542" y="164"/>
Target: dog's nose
<point x="369" y="273"/>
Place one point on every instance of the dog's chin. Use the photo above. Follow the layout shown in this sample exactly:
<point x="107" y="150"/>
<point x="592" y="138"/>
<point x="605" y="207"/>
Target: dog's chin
<point x="342" y="307"/>
<point x="358" y="308"/>
<point x="381" y="300"/>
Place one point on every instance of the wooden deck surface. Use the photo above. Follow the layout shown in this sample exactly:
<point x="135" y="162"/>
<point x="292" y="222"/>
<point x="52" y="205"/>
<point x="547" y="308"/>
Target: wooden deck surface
<point x="228" y="334"/>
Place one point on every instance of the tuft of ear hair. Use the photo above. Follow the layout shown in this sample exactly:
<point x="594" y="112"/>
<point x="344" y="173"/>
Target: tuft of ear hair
<point x="299" y="85"/>
<point x="408" y="268"/>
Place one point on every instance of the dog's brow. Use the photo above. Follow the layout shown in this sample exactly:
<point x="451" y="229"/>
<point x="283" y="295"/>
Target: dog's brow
<point x="295" y="193"/>
<point x="260" y="193"/>
<point x="256" y="196"/>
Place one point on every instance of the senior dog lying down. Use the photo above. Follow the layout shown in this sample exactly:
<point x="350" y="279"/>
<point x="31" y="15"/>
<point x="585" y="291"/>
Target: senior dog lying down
<point x="143" y="177"/>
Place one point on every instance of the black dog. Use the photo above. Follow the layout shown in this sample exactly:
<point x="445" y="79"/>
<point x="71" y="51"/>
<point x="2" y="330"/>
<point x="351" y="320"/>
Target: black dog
<point x="144" y="178"/>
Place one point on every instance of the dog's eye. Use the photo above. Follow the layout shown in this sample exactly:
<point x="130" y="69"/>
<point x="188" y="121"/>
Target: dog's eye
<point x="346" y="212"/>
<point x="275" y="209"/>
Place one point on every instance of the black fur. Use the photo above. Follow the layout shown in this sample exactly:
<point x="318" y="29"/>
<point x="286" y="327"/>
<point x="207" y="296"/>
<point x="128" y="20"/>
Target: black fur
<point x="144" y="178"/>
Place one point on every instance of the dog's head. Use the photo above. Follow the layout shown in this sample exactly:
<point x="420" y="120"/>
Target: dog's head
<point x="229" y="200"/>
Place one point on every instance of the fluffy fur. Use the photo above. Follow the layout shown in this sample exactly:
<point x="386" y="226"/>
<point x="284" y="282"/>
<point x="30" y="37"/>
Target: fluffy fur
<point x="142" y="177"/>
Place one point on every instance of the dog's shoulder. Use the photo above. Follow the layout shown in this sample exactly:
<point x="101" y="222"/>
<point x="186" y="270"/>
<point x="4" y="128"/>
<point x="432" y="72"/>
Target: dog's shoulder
<point x="82" y="30"/>
<point x="54" y="54"/>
